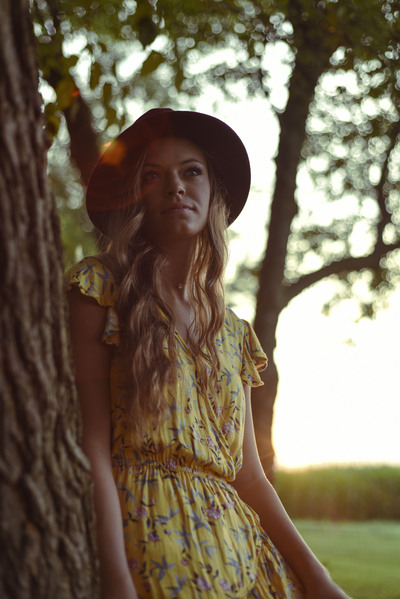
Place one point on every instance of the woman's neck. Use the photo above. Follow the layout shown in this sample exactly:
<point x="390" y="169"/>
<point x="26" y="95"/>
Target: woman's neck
<point x="176" y="272"/>
<point x="174" y="290"/>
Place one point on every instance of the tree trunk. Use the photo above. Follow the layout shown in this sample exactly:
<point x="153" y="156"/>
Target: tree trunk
<point x="272" y="296"/>
<point x="84" y="143"/>
<point x="47" y="547"/>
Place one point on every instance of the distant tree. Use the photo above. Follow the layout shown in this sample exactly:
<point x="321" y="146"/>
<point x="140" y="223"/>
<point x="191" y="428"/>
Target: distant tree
<point x="47" y="547"/>
<point x="352" y="158"/>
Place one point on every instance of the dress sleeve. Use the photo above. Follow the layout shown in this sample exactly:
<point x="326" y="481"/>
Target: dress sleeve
<point x="254" y="359"/>
<point x="95" y="280"/>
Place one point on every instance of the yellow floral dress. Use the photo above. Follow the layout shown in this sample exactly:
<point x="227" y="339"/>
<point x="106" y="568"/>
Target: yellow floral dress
<point x="187" y="532"/>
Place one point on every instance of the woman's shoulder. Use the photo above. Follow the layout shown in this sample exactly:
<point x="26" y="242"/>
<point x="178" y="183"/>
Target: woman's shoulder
<point x="243" y="337"/>
<point x="94" y="278"/>
<point x="232" y="320"/>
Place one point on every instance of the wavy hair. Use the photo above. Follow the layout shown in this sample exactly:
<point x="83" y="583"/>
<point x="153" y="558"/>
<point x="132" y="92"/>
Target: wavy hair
<point x="147" y="325"/>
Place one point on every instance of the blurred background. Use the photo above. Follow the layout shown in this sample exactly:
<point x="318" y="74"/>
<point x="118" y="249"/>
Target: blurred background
<point x="312" y="88"/>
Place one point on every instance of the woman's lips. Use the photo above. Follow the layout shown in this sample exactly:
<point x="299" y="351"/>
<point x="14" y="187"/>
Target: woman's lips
<point x="177" y="208"/>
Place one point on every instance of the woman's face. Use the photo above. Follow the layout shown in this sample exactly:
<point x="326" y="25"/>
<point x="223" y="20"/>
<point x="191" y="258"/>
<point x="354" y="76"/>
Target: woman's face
<point x="175" y="189"/>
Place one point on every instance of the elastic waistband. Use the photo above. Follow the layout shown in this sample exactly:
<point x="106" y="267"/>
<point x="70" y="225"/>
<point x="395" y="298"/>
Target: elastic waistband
<point x="170" y="466"/>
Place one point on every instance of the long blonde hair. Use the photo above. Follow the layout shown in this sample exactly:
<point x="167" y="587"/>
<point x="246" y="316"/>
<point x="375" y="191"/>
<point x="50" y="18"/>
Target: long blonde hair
<point x="147" y="325"/>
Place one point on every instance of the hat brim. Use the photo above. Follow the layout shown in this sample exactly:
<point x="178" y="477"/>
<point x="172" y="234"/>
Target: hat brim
<point x="108" y="186"/>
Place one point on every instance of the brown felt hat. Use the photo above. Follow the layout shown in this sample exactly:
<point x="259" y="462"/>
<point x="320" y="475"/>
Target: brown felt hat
<point x="108" y="186"/>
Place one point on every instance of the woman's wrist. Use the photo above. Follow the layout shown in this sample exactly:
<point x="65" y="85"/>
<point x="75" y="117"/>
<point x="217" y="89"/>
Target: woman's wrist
<point x="318" y="584"/>
<point x="313" y="574"/>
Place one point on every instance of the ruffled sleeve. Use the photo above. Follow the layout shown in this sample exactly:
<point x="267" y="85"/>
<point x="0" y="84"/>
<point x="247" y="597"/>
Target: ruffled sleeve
<point x="95" y="280"/>
<point x="254" y="359"/>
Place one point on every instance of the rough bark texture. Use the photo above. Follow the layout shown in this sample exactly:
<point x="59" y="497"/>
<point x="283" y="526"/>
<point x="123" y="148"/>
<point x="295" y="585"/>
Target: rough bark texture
<point x="47" y="547"/>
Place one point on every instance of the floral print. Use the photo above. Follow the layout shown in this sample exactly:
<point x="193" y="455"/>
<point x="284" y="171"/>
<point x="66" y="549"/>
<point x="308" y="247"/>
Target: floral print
<point x="187" y="532"/>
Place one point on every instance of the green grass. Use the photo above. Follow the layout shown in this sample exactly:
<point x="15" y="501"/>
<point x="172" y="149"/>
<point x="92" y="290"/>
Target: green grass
<point x="341" y="493"/>
<point x="362" y="557"/>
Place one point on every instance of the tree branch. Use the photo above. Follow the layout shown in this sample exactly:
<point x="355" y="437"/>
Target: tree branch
<point x="371" y="261"/>
<point x="84" y="142"/>
<point x="380" y="189"/>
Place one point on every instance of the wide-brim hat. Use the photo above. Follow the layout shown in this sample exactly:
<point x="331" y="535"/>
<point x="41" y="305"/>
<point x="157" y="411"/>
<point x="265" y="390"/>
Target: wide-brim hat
<point x="108" y="185"/>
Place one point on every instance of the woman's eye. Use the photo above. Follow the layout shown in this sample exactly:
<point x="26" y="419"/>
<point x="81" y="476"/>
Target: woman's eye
<point x="149" y="176"/>
<point x="194" y="170"/>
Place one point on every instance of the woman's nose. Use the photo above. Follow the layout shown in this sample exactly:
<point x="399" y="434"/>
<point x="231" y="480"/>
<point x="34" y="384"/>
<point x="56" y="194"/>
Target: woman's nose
<point x="174" y="185"/>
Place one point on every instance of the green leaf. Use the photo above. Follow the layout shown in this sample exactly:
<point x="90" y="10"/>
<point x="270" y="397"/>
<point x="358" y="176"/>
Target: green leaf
<point x="111" y="115"/>
<point x="142" y="22"/>
<point x="151" y="63"/>
<point x="52" y="115"/>
<point x="95" y="75"/>
<point x="66" y="92"/>
<point x="147" y="31"/>
<point x="107" y="93"/>
<point x="71" y="61"/>
<point x="179" y="78"/>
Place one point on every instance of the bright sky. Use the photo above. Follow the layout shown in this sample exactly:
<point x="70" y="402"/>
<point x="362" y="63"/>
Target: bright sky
<point x="339" y="399"/>
<point x="337" y="402"/>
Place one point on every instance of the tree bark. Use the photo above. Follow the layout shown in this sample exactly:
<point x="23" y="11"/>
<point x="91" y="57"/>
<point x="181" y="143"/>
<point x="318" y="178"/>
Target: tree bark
<point x="272" y="295"/>
<point x="47" y="546"/>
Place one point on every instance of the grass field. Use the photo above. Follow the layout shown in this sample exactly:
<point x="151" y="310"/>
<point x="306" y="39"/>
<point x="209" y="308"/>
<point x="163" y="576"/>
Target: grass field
<point x="362" y="557"/>
<point x="341" y="493"/>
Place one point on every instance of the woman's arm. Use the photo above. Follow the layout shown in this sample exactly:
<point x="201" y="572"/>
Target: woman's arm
<point x="254" y="488"/>
<point x="92" y="366"/>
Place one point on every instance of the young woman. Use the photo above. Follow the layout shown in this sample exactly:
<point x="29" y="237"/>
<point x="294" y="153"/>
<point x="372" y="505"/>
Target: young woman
<point x="164" y="373"/>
